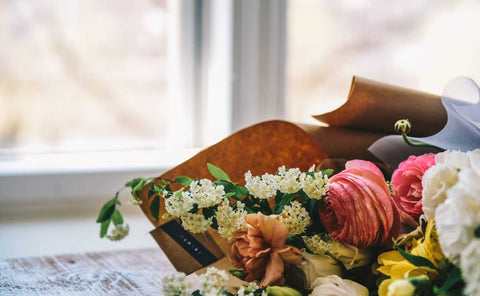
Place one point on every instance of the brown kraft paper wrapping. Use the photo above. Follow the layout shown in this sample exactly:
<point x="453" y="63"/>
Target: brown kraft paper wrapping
<point x="375" y="107"/>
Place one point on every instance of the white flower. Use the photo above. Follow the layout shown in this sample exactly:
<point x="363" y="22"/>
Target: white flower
<point x="295" y="217"/>
<point x="262" y="187"/>
<point x="459" y="215"/>
<point x="315" y="266"/>
<point x="287" y="180"/>
<point x="248" y="290"/>
<point x="213" y="282"/>
<point x="179" y="204"/>
<point x="314" y="186"/>
<point x="135" y="200"/>
<point x="230" y="220"/>
<point x="443" y="175"/>
<point x="469" y="264"/>
<point x="205" y="194"/>
<point x="196" y="222"/>
<point x="175" y="285"/>
<point x="350" y="256"/>
<point x="334" y="285"/>
<point x="119" y="232"/>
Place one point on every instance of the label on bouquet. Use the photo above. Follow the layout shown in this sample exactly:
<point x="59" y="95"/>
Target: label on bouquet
<point x="188" y="252"/>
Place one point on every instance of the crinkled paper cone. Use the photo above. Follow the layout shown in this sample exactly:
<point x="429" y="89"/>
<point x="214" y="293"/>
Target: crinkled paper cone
<point x="260" y="148"/>
<point x="375" y="107"/>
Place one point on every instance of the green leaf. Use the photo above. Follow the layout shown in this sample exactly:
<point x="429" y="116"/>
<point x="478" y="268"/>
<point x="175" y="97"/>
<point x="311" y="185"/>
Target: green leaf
<point x="151" y="191"/>
<point x="184" y="180"/>
<point x="238" y="273"/>
<point x="196" y="293"/>
<point x="104" y="228"/>
<point x="218" y="173"/>
<point x="476" y="232"/>
<point x="296" y="241"/>
<point x="452" y="279"/>
<point x="209" y="212"/>
<point x="285" y="199"/>
<point x="155" y="207"/>
<point x="327" y="172"/>
<point x="229" y="194"/>
<point x="117" y="218"/>
<point x="416" y="260"/>
<point x="139" y="186"/>
<point x="133" y="183"/>
<point x="107" y="211"/>
<point x="240" y="191"/>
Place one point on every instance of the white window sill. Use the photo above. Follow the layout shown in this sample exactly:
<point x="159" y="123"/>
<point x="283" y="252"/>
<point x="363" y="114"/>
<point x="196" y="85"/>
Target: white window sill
<point x="65" y="181"/>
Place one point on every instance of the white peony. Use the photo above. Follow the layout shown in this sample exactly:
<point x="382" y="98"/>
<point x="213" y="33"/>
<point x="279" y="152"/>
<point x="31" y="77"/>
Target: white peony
<point x="469" y="264"/>
<point x="334" y="285"/>
<point x="444" y="175"/>
<point x="459" y="215"/>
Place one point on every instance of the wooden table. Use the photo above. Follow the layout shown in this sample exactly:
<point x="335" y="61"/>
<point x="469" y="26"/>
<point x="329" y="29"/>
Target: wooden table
<point x="133" y="272"/>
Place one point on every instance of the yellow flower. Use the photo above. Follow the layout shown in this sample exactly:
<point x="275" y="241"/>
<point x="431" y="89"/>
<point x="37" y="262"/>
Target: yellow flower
<point x="428" y="246"/>
<point x="396" y="267"/>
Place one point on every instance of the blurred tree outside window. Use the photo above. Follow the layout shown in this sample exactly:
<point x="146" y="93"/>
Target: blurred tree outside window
<point x="83" y="75"/>
<point x="418" y="44"/>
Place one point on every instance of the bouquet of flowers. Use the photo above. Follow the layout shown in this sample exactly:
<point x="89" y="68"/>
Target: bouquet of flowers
<point x="319" y="233"/>
<point x="353" y="231"/>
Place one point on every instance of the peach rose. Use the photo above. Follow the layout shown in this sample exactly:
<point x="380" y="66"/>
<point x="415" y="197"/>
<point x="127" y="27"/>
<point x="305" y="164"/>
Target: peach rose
<point x="407" y="183"/>
<point x="261" y="251"/>
<point x="358" y="209"/>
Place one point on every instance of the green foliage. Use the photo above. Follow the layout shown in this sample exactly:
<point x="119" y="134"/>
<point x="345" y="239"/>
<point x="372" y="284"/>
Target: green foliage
<point x="416" y="260"/>
<point x="155" y="207"/>
<point x="218" y="173"/>
<point x="136" y="185"/>
<point x="184" y="180"/>
<point x="107" y="210"/>
<point x="296" y="241"/>
<point x="327" y="172"/>
<point x="117" y="218"/>
<point x="238" y="273"/>
<point x="104" y="228"/>
<point x="476" y="232"/>
<point x="209" y="213"/>
<point x="453" y="278"/>
<point x="283" y="199"/>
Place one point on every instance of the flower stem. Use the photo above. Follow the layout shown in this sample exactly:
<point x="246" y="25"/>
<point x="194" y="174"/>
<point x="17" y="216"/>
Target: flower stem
<point x="418" y="144"/>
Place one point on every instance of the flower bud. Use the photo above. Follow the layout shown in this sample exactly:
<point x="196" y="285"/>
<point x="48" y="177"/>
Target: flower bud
<point x="401" y="288"/>
<point x="402" y="126"/>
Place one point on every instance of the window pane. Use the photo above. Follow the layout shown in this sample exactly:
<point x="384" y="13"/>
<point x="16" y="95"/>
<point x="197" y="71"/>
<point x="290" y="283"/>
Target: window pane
<point x="418" y="44"/>
<point x="83" y="74"/>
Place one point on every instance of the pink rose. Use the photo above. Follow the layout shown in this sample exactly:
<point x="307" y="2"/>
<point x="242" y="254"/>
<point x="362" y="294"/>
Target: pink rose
<point x="261" y="251"/>
<point x="358" y="209"/>
<point x="407" y="183"/>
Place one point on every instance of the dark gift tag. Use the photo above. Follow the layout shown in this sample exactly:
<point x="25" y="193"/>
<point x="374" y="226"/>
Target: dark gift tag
<point x="187" y="251"/>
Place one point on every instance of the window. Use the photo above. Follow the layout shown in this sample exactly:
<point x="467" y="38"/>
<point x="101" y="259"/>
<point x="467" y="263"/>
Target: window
<point x="84" y="75"/>
<point x="116" y="90"/>
<point x="416" y="44"/>
<point x="90" y="95"/>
